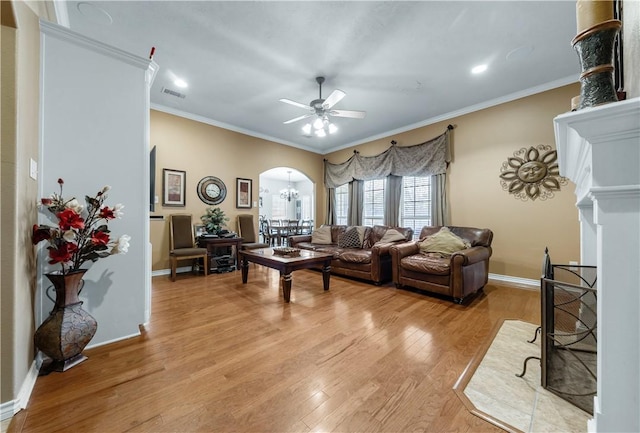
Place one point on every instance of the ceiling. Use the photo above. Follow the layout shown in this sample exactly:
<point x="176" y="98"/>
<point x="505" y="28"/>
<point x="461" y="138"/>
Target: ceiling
<point x="407" y="64"/>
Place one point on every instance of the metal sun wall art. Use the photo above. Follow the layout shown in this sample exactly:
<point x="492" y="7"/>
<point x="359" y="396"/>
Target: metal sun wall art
<point x="532" y="173"/>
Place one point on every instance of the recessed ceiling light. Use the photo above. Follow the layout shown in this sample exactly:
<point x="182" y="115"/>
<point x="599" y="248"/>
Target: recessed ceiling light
<point x="180" y="82"/>
<point x="94" y="13"/>
<point x="479" y="69"/>
<point x="520" y="53"/>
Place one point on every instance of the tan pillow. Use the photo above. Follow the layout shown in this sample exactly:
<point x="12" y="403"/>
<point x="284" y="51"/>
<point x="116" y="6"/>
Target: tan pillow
<point x="391" y="235"/>
<point x="321" y="236"/>
<point x="444" y="242"/>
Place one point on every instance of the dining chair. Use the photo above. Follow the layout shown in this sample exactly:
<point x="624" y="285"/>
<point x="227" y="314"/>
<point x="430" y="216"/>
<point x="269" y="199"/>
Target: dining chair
<point x="247" y="232"/>
<point x="275" y="231"/>
<point x="292" y="229"/>
<point x="306" y="227"/>
<point x="182" y="244"/>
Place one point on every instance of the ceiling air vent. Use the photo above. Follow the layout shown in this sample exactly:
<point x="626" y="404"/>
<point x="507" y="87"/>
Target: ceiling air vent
<point x="173" y="93"/>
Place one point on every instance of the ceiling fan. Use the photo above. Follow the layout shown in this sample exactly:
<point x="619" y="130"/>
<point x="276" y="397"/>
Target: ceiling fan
<point x="321" y="109"/>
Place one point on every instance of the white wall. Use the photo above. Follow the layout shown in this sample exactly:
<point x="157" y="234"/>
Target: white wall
<point x="95" y="132"/>
<point x="305" y="188"/>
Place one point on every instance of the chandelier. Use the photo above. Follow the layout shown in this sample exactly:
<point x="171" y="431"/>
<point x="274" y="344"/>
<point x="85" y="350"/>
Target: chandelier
<point x="288" y="193"/>
<point x="320" y="127"/>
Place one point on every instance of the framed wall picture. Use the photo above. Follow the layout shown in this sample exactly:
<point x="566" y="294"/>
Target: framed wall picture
<point x="199" y="230"/>
<point x="243" y="193"/>
<point x="173" y="187"/>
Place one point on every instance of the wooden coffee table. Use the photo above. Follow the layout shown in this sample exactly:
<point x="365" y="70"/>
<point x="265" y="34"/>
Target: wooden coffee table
<point x="286" y="265"/>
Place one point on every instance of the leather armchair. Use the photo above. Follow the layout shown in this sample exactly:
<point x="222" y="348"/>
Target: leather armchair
<point x="463" y="273"/>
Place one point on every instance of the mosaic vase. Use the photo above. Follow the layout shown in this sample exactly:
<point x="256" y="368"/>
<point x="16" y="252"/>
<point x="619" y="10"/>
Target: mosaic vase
<point x="594" y="47"/>
<point x="68" y="329"/>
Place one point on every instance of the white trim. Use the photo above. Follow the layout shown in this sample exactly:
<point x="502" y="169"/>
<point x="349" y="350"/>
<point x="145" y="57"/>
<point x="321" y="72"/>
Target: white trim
<point x="229" y="127"/>
<point x="62" y="33"/>
<point x="518" y="281"/>
<point x="115" y="340"/>
<point x="534" y="284"/>
<point x="168" y="271"/>
<point x="446" y="116"/>
<point x="10" y="408"/>
<point x="461" y="112"/>
<point x="6" y="410"/>
<point x="62" y="13"/>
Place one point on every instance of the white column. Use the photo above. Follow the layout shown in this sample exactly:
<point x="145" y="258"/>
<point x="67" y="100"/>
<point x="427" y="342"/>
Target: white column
<point x="599" y="149"/>
<point x="588" y="235"/>
<point x="616" y="216"/>
<point x="95" y="132"/>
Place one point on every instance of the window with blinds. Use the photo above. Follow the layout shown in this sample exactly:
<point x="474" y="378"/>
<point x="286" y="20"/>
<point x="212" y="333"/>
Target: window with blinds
<point x="306" y="210"/>
<point x="373" y="205"/>
<point x="278" y="208"/>
<point x="415" y="211"/>
<point x="342" y="204"/>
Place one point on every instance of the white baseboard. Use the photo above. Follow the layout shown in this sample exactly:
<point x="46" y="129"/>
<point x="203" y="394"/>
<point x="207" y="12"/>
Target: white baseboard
<point x="528" y="284"/>
<point x="168" y="271"/>
<point x="524" y="283"/>
<point x="10" y="408"/>
<point x="126" y="337"/>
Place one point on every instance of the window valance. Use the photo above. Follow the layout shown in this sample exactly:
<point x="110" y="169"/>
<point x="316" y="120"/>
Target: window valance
<point x="424" y="159"/>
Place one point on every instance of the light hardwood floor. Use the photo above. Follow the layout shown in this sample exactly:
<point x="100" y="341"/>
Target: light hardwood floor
<point x="220" y="356"/>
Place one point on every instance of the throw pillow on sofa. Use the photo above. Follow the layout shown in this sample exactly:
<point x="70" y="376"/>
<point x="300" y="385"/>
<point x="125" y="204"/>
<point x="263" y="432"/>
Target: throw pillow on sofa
<point x="350" y="239"/>
<point x="321" y="236"/>
<point x="391" y="235"/>
<point x="444" y="243"/>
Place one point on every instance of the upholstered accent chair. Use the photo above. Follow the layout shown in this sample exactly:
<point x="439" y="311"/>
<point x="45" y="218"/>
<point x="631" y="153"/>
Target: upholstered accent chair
<point x="456" y="273"/>
<point x="247" y="231"/>
<point x="182" y="245"/>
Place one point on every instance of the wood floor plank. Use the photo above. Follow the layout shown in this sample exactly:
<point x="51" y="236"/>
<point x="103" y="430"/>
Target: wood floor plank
<point x="222" y="356"/>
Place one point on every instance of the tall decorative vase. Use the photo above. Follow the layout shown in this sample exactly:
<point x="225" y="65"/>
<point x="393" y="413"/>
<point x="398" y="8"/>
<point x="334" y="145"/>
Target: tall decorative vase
<point x="594" y="47"/>
<point x="68" y="329"/>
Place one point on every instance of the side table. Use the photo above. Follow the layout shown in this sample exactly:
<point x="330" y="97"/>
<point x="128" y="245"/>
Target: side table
<point x="212" y="243"/>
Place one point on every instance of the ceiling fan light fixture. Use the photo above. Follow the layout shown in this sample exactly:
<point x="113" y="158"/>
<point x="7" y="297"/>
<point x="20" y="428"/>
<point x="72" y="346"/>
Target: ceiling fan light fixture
<point x="319" y="110"/>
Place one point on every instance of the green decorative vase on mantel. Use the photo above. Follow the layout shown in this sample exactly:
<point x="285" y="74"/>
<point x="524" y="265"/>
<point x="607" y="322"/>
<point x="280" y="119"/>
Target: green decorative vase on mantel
<point x="69" y="328"/>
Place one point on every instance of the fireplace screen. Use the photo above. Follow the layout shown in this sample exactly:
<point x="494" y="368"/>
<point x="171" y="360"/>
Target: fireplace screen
<point x="569" y="324"/>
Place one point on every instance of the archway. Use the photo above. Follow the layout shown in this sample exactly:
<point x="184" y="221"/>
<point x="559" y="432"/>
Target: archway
<point x="286" y="193"/>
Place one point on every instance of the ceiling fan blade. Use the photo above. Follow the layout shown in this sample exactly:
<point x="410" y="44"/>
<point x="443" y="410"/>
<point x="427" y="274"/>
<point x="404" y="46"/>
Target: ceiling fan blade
<point x="335" y="97"/>
<point x="348" y="113"/>
<point x="298" y="118"/>
<point x="296" y="104"/>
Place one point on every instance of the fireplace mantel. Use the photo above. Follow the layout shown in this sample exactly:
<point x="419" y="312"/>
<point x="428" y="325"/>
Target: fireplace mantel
<point x="599" y="150"/>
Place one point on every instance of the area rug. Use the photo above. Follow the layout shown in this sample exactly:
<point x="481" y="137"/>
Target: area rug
<point x="490" y="389"/>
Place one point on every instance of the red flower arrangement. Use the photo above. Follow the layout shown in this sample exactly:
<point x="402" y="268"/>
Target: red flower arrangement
<point x="82" y="234"/>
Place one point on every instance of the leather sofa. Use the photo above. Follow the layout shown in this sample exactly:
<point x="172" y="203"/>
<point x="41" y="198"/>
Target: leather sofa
<point x="462" y="273"/>
<point x="372" y="262"/>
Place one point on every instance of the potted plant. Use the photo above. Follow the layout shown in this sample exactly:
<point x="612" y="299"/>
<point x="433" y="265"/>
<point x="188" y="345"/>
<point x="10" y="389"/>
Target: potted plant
<point x="214" y="219"/>
<point x="80" y="235"/>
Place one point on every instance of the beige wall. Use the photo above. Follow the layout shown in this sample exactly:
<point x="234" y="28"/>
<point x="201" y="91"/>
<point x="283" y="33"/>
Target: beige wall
<point x="20" y="126"/>
<point x="481" y="142"/>
<point x="204" y="150"/>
